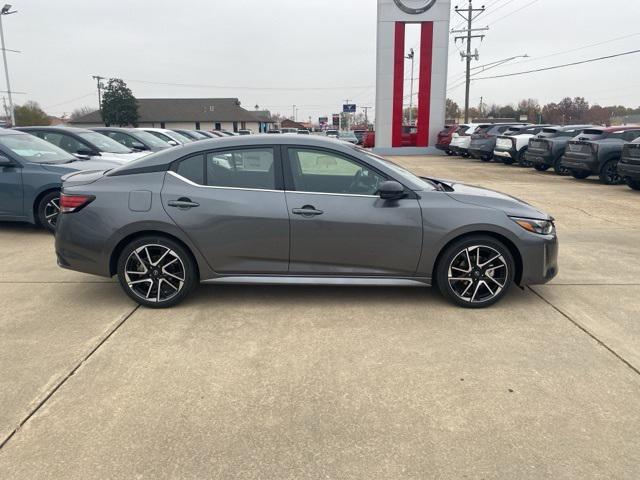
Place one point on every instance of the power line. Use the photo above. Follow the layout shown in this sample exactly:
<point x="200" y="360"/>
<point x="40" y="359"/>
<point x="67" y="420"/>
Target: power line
<point x="560" y="66"/>
<point x="514" y="12"/>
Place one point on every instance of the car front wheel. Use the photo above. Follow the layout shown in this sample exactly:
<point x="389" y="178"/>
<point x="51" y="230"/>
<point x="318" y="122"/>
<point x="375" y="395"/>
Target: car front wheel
<point x="475" y="272"/>
<point x="48" y="210"/>
<point x="156" y="272"/>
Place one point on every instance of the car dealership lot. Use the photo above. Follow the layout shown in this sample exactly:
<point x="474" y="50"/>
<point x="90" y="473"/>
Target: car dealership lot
<point x="318" y="382"/>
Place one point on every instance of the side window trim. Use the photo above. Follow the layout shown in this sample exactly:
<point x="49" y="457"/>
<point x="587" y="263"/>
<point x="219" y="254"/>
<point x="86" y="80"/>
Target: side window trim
<point x="277" y="159"/>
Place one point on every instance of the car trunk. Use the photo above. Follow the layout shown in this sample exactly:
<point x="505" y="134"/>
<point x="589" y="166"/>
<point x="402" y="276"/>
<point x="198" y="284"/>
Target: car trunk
<point x="84" y="177"/>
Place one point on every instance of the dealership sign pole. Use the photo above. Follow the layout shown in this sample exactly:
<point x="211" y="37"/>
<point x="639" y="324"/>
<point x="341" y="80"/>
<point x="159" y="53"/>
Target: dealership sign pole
<point x="433" y="18"/>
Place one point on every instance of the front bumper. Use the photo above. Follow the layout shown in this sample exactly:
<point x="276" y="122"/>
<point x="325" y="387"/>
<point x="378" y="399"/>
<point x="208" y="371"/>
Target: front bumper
<point x="629" y="170"/>
<point x="540" y="259"/>
<point x="586" y="164"/>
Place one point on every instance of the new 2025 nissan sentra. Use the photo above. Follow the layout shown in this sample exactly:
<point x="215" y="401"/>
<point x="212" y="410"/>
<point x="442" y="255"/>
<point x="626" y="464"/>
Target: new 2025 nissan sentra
<point x="296" y="209"/>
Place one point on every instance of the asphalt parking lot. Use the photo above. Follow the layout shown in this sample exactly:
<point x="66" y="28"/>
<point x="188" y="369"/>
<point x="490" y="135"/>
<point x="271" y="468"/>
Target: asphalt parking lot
<point x="316" y="382"/>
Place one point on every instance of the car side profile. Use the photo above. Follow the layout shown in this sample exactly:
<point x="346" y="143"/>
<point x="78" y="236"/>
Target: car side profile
<point x="296" y="209"/>
<point x="512" y="148"/>
<point x="30" y="177"/>
<point x="133" y="138"/>
<point x="597" y="152"/>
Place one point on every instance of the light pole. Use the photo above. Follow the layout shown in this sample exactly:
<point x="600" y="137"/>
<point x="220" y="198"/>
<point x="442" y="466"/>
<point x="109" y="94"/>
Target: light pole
<point x="6" y="11"/>
<point x="411" y="57"/>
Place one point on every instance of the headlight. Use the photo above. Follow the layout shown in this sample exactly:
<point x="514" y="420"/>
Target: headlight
<point x="543" y="227"/>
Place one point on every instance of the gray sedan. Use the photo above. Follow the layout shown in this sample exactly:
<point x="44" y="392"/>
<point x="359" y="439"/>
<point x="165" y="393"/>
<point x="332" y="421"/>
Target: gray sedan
<point x="278" y="209"/>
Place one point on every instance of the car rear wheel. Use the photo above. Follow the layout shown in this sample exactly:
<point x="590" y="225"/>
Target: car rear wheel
<point x="634" y="184"/>
<point x="48" y="210"/>
<point x="609" y="173"/>
<point x="541" y="167"/>
<point x="475" y="272"/>
<point x="579" y="174"/>
<point x="559" y="169"/>
<point x="156" y="272"/>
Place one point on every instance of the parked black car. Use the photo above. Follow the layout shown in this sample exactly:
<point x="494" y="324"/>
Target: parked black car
<point x="483" y="141"/>
<point x="586" y="156"/>
<point x="547" y="148"/>
<point x="629" y="166"/>
<point x="135" y="139"/>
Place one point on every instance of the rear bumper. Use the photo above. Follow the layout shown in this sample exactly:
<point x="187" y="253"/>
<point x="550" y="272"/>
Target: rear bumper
<point x="480" y="153"/>
<point x="444" y="147"/>
<point x="507" y="154"/>
<point x="580" y="164"/>
<point x="629" y="170"/>
<point x="539" y="158"/>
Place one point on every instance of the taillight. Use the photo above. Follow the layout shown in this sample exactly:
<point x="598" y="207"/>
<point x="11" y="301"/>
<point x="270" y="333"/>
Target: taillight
<point x="73" y="203"/>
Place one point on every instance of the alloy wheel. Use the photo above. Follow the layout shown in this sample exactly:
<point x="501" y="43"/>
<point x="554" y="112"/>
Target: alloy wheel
<point x="51" y="211"/>
<point x="154" y="273"/>
<point x="478" y="274"/>
<point x="611" y="173"/>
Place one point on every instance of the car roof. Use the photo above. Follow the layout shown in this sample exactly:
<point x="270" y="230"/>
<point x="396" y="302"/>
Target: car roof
<point x="246" y="141"/>
<point x="115" y="129"/>
<point x="11" y="131"/>
<point x="56" y="128"/>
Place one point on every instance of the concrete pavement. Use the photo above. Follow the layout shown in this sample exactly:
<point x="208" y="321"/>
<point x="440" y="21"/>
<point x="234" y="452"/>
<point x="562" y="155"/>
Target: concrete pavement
<point x="313" y="382"/>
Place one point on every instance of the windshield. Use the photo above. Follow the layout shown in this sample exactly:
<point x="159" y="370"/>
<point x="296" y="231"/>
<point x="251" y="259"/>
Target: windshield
<point x="103" y="143"/>
<point x="34" y="149"/>
<point x="400" y="171"/>
<point x="150" y="140"/>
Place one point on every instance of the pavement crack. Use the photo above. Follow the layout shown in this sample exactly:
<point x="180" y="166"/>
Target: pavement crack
<point x="68" y="376"/>
<point x="588" y="332"/>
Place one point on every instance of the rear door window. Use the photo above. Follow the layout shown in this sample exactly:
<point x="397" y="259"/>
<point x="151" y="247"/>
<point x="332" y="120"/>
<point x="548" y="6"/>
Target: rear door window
<point x="249" y="168"/>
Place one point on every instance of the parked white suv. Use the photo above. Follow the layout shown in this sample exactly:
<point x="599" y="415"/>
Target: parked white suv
<point x="460" y="140"/>
<point x="511" y="148"/>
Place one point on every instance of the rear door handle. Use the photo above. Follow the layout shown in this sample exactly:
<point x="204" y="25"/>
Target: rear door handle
<point x="183" y="203"/>
<point x="307" y="211"/>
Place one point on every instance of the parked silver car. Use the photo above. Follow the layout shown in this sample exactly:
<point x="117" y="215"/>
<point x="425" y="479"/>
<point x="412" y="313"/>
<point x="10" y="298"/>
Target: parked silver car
<point x="292" y="209"/>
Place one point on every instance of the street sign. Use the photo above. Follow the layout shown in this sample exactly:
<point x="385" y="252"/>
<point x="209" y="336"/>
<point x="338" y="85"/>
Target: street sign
<point x="336" y="119"/>
<point x="349" y="108"/>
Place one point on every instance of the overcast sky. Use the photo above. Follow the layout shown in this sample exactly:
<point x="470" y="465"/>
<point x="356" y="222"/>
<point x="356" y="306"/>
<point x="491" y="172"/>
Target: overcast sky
<point x="312" y="53"/>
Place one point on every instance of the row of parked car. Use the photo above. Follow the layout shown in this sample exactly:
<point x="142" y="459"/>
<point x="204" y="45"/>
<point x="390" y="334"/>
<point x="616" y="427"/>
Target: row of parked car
<point x="611" y="153"/>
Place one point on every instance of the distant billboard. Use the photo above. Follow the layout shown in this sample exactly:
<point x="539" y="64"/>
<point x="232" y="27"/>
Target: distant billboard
<point x="349" y="108"/>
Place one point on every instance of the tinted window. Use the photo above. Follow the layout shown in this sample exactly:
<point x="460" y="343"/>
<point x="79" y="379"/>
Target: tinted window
<point x="192" y="168"/>
<point x="104" y="143"/>
<point x="251" y="168"/>
<point x="323" y="172"/>
<point x="65" y="142"/>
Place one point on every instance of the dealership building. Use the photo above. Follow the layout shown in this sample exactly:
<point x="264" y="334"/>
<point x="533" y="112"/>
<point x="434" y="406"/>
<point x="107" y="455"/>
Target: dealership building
<point x="191" y="114"/>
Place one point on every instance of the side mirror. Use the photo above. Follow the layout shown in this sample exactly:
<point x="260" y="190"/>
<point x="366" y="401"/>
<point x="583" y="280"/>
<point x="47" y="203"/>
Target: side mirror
<point x="5" y="161"/>
<point x="391" y="190"/>
<point x="138" y="146"/>
<point x="173" y="143"/>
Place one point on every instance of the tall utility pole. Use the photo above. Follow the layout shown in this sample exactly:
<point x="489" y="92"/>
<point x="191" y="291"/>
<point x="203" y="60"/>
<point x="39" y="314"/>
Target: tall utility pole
<point x="469" y="14"/>
<point x="366" y="116"/>
<point x="99" y="79"/>
<point x="411" y="56"/>
<point x="6" y="11"/>
<point x="293" y="109"/>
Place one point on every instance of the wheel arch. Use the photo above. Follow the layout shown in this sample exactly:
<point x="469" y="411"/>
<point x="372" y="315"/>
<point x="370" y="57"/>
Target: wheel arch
<point x="38" y="198"/>
<point x="517" y="256"/>
<point x="608" y="158"/>
<point x="120" y="246"/>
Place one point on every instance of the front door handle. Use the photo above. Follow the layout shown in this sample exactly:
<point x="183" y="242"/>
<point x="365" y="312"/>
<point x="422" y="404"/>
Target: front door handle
<point x="183" y="203"/>
<point x="307" y="211"/>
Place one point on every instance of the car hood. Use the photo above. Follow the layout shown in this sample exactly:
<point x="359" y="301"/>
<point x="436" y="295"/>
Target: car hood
<point x="79" y="165"/>
<point x="485" y="197"/>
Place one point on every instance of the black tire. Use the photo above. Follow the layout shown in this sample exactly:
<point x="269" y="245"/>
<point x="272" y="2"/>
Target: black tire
<point x="580" y="174"/>
<point x="485" y="159"/>
<point x="449" y="153"/>
<point x="609" y="173"/>
<point x="633" y="184"/>
<point x="541" y="167"/>
<point x="456" y="258"/>
<point x="559" y="169"/>
<point x="47" y="211"/>
<point x="523" y="162"/>
<point x="508" y="160"/>
<point x="175" y="269"/>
